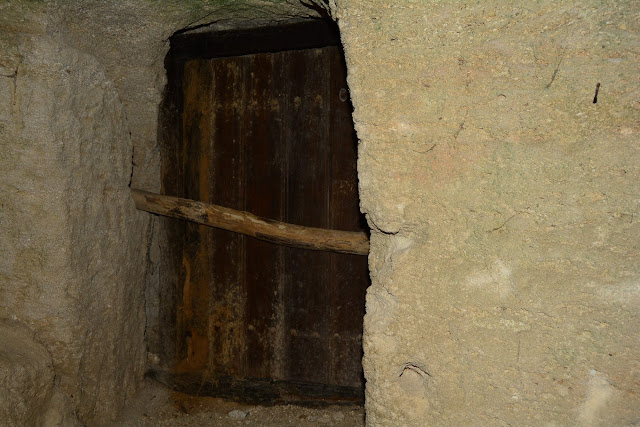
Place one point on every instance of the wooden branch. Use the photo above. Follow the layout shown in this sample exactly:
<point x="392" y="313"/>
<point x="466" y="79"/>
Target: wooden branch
<point x="251" y="225"/>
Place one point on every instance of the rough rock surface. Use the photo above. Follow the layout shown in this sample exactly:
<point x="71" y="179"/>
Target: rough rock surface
<point x="504" y="208"/>
<point x="503" y="201"/>
<point x="26" y="377"/>
<point x="72" y="240"/>
<point x="80" y="83"/>
<point x="28" y="394"/>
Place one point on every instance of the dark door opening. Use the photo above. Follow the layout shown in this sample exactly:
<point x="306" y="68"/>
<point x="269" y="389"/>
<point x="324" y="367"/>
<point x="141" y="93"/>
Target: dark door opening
<point x="260" y="121"/>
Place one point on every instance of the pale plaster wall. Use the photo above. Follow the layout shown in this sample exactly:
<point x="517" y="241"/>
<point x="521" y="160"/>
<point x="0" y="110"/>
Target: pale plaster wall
<point x="504" y="209"/>
<point x="503" y="201"/>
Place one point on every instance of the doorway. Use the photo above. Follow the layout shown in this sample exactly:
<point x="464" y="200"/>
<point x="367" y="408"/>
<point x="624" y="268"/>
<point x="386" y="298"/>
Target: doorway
<point x="260" y="121"/>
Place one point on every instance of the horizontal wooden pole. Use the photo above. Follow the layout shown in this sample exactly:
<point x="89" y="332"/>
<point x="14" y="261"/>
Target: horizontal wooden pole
<point x="248" y="224"/>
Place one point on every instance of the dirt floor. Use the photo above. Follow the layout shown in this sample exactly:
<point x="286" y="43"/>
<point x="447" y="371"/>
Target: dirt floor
<point x="156" y="405"/>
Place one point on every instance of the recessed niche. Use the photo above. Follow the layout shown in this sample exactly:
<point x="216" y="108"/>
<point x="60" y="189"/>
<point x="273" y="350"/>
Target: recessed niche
<point x="260" y="121"/>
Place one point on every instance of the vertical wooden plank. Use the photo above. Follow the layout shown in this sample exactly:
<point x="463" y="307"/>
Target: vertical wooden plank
<point x="306" y="299"/>
<point x="349" y="273"/>
<point x="226" y="290"/>
<point x="264" y="172"/>
<point x="193" y="307"/>
<point x="279" y="110"/>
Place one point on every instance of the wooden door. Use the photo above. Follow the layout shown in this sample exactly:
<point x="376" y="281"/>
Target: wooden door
<point x="271" y="134"/>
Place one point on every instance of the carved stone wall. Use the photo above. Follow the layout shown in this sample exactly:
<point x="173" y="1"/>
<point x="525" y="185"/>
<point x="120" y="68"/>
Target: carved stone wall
<point x="504" y="210"/>
<point x="503" y="202"/>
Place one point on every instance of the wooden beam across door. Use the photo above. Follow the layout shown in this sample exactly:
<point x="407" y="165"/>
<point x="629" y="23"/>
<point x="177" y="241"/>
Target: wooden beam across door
<point x="251" y="225"/>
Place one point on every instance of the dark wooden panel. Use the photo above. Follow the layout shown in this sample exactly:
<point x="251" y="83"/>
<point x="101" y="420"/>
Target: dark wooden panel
<point x="261" y="391"/>
<point x="308" y="173"/>
<point x="227" y="286"/>
<point x="294" y="36"/>
<point x="270" y="134"/>
<point x="264" y="176"/>
<point x="193" y="308"/>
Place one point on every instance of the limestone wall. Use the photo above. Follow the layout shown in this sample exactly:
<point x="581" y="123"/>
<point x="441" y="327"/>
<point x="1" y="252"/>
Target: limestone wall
<point x="504" y="209"/>
<point x="503" y="203"/>
<point x="80" y="85"/>
<point x="73" y="244"/>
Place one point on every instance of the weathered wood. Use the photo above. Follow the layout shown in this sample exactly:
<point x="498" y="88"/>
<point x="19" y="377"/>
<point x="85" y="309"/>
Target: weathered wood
<point x="245" y="223"/>
<point x="260" y="391"/>
<point x="236" y="42"/>
<point x="270" y="134"/>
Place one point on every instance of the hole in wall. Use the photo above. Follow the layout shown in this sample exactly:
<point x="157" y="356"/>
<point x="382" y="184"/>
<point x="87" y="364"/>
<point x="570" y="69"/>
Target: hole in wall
<point x="259" y="120"/>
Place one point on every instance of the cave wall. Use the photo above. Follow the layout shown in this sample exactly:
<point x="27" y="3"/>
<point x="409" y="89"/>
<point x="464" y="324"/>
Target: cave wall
<point x="73" y="243"/>
<point x="503" y="204"/>
<point x="80" y="83"/>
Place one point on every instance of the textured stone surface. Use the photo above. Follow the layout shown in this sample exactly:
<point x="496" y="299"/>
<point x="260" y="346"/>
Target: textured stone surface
<point x="503" y="202"/>
<point x="80" y="83"/>
<point x="72" y="244"/>
<point x="28" y="394"/>
<point x="504" y="208"/>
<point x="26" y="377"/>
